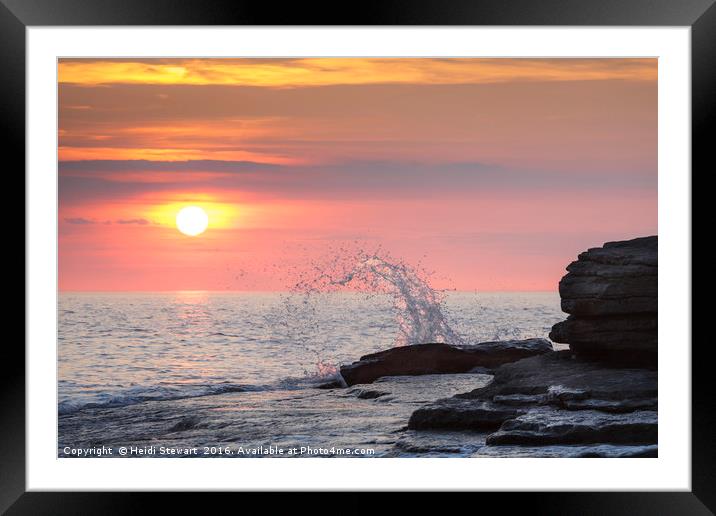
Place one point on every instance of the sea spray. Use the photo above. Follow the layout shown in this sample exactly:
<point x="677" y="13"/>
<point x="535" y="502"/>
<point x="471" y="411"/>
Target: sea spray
<point x="417" y="309"/>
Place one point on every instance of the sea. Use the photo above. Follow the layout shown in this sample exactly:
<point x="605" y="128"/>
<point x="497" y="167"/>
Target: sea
<point x="243" y="370"/>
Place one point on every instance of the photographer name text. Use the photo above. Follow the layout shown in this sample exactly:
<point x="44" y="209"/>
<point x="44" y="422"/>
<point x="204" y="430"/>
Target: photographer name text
<point x="215" y="451"/>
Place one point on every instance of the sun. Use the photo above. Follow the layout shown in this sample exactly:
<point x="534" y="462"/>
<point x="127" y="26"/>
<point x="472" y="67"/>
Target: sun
<point x="192" y="220"/>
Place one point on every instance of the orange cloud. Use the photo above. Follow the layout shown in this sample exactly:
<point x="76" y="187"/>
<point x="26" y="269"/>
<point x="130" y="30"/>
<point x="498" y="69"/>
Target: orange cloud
<point x="163" y="153"/>
<point x="178" y="140"/>
<point x="287" y="73"/>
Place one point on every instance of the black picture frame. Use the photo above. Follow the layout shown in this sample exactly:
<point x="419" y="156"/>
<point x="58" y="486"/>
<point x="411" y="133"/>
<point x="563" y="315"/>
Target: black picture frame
<point x="17" y="15"/>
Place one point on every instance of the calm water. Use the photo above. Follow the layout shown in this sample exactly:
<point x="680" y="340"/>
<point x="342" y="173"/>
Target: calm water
<point x="121" y="349"/>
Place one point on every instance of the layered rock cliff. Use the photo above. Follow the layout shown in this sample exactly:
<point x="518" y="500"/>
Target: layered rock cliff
<point x="610" y="293"/>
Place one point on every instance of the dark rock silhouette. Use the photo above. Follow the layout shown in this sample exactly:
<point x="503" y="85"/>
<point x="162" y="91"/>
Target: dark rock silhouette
<point x="421" y="359"/>
<point x="610" y="293"/>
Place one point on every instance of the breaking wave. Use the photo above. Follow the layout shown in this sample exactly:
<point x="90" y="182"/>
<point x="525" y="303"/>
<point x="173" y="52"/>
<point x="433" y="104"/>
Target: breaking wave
<point x="137" y="394"/>
<point x="418" y="308"/>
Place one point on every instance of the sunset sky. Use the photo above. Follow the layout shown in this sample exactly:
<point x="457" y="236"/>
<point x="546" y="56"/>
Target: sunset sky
<point x="494" y="173"/>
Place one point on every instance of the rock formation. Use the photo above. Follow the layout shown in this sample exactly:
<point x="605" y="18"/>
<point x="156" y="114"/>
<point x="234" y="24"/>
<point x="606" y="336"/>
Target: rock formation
<point x="552" y="398"/>
<point x="421" y="359"/>
<point x="610" y="293"/>
<point x="597" y="399"/>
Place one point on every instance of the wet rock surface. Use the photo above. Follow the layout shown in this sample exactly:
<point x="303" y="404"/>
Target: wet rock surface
<point x="561" y="377"/>
<point x="422" y="359"/>
<point x="539" y="426"/>
<point x="371" y="418"/>
<point x="367" y="394"/>
<point x="554" y="399"/>
<point x="462" y="414"/>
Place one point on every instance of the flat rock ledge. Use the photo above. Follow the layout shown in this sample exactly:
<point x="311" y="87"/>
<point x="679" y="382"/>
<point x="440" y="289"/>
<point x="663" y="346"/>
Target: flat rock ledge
<point x="554" y="399"/>
<point x="422" y="359"/>
<point x="545" y="427"/>
<point x="573" y="450"/>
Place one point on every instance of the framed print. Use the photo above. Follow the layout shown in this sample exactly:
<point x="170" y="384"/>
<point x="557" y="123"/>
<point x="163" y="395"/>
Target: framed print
<point x="432" y="249"/>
